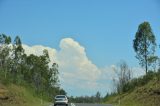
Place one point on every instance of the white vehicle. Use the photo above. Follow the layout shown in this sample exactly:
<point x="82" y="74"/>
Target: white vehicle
<point x="61" y="100"/>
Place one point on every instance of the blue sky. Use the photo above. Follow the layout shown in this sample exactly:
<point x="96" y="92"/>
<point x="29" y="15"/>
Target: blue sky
<point x="105" y="28"/>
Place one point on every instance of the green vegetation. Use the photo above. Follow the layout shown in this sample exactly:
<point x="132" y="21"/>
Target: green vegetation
<point x="31" y="72"/>
<point x="145" y="90"/>
<point x="87" y="99"/>
<point x="16" y="95"/>
<point x="144" y="45"/>
<point x="124" y="76"/>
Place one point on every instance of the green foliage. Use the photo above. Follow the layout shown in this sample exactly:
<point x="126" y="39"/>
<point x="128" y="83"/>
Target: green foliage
<point x="141" y="81"/>
<point x="124" y="76"/>
<point x="87" y="99"/>
<point x="152" y="61"/>
<point x="142" y="91"/>
<point x="144" y="44"/>
<point x="34" y="71"/>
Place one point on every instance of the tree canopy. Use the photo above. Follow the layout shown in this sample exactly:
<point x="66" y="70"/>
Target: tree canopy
<point x="144" y="44"/>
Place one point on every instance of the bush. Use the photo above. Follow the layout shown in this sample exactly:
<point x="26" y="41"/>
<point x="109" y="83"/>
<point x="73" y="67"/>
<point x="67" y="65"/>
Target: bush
<point x="136" y="82"/>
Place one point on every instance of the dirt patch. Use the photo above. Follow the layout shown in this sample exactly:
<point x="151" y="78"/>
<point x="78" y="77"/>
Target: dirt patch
<point x="157" y="92"/>
<point x="3" y="93"/>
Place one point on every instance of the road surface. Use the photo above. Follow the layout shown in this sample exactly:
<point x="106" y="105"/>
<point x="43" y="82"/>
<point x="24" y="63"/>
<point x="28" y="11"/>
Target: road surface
<point x="84" y="104"/>
<point x="87" y="104"/>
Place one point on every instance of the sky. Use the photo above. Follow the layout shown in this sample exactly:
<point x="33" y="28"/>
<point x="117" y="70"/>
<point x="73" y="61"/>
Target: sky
<point x="87" y="38"/>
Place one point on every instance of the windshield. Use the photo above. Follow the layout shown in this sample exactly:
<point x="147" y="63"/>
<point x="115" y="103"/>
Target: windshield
<point x="60" y="97"/>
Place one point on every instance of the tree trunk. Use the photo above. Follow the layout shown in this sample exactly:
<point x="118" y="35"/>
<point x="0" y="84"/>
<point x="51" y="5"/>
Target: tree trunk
<point x="146" y="62"/>
<point x="146" y="67"/>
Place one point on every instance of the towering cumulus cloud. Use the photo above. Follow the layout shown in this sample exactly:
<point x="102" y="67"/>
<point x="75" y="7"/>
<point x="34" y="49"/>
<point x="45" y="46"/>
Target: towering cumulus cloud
<point x="77" y="72"/>
<point x="74" y="62"/>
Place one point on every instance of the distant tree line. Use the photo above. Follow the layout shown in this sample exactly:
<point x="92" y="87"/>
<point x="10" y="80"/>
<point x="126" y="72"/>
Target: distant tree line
<point x="97" y="98"/>
<point x="34" y="71"/>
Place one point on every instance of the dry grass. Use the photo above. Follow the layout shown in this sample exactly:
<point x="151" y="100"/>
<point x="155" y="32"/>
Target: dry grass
<point x="13" y="95"/>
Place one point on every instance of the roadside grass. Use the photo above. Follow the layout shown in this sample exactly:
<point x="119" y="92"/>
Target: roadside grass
<point x="20" y="96"/>
<point x="146" y="95"/>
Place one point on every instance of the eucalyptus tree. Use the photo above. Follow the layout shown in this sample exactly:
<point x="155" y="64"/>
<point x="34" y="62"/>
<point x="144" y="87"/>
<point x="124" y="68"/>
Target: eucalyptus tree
<point x="144" y="44"/>
<point x="18" y="59"/>
<point x="5" y="53"/>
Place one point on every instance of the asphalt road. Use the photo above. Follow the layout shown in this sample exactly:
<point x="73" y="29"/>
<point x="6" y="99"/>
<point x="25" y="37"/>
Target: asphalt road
<point x="85" y="104"/>
<point x="88" y="104"/>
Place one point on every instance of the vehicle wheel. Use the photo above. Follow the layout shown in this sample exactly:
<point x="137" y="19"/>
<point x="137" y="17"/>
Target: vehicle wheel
<point x="66" y="104"/>
<point x="55" y="104"/>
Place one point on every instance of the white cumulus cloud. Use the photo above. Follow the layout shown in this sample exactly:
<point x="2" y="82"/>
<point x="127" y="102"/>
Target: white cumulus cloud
<point x="78" y="74"/>
<point x="72" y="58"/>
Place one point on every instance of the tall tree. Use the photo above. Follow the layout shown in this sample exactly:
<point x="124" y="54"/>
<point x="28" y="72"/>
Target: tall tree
<point x="18" y="60"/>
<point x="98" y="97"/>
<point x="54" y="75"/>
<point x="4" y="48"/>
<point x="144" y="44"/>
<point x="4" y="52"/>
